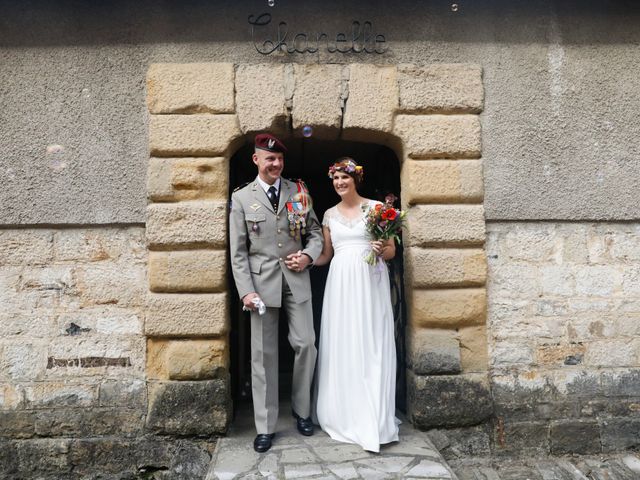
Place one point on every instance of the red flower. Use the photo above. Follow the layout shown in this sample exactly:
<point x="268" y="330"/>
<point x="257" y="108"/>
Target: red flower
<point x="391" y="214"/>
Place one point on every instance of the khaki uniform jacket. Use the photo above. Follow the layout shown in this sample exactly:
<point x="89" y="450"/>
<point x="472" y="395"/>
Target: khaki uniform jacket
<point x="258" y="253"/>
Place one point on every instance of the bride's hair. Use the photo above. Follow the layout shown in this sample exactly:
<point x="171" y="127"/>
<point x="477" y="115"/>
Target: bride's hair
<point x="349" y="166"/>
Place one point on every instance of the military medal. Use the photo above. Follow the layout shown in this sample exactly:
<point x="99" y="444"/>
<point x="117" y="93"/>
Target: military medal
<point x="255" y="228"/>
<point x="297" y="210"/>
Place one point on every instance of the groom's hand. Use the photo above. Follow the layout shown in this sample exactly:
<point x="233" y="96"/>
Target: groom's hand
<point x="298" y="261"/>
<point x="247" y="301"/>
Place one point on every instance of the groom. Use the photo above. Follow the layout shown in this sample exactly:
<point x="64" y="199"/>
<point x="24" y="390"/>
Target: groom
<point x="273" y="240"/>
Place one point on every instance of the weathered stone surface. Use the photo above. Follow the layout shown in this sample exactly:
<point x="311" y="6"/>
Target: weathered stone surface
<point x="575" y="437"/>
<point x="373" y="99"/>
<point x="193" y="135"/>
<point x="17" y="424"/>
<point x="192" y="224"/>
<point x="100" y="244"/>
<point x="26" y="247"/>
<point x="23" y="361"/>
<point x="439" y="136"/>
<point x="445" y="225"/>
<point x="197" y="359"/>
<point x="47" y="456"/>
<point x="174" y="179"/>
<point x="60" y="394"/>
<point x="117" y="393"/>
<point x="189" y="408"/>
<point x="448" y="400"/>
<point x="560" y="354"/>
<point x="442" y="181"/>
<point x="144" y="456"/>
<point x="187" y="315"/>
<point x="450" y="308"/>
<point x="620" y="434"/>
<point x="318" y="98"/>
<point x="433" y="352"/>
<point x="514" y="437"/>
<point x="190" y="88"/>
<point x="11" y="396"/>
<point x="187" y="271"/>
<point x="73" y="422"/>
<point x="451" y="88"/>
<point x="260" y="98"/>
<point x="110" y="283"/>
<point x="447" y="267"/>
<point x="474" y="352"/>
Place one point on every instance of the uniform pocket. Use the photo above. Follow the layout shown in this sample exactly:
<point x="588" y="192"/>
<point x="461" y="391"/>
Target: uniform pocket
<point x="255" y="264"/>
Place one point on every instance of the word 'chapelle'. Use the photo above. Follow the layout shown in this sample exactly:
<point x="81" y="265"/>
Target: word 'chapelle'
<point x="361" y="40"/>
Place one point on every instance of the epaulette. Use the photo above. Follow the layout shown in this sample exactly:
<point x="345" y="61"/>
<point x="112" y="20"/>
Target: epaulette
<point x="241" y="186"/>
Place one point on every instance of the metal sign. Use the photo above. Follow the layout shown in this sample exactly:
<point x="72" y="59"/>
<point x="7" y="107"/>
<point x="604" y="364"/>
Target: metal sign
<point x="360" y="40"/>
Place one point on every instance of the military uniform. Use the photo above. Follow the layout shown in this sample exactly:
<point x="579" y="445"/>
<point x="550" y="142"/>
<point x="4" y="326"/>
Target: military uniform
<point x="260" y="240"/>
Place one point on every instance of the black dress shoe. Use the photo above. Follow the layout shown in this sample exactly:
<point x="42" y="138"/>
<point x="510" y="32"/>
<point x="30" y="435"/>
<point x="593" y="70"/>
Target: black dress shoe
<point x="262" y="442"/>
<point x="305" y="425"/>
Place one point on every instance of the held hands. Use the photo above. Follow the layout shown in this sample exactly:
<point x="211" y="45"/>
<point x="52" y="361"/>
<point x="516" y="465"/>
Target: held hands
<point x="377" y="246"/>
<point x="297" y="262"/>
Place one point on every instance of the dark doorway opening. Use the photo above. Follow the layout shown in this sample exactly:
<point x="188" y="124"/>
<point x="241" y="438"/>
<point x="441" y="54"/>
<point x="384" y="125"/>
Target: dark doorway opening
<point x="309" y="159"/>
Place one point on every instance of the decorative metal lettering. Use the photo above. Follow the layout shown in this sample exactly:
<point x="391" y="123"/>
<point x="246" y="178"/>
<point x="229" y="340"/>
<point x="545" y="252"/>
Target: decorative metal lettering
<point x="362" y="39"/>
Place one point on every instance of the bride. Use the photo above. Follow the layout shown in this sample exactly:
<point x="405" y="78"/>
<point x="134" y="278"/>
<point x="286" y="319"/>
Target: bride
<point x="356" y="370"/>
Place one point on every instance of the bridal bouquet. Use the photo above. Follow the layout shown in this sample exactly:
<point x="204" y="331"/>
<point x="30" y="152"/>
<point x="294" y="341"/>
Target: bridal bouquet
<point x="383" y="222"/>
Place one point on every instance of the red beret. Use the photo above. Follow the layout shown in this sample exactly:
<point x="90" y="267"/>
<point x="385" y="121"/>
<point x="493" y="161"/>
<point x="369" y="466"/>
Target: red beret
<point x="266" y="141"/>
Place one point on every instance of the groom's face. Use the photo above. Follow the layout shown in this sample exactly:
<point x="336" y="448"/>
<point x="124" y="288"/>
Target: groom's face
<point x="270" y="165"/>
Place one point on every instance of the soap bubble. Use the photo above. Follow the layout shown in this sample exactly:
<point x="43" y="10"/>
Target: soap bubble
<point x="271" y="3"/>
<point x="454" y="7"/>
<point x="307" y="131"/>
<point x="55" y="155"/>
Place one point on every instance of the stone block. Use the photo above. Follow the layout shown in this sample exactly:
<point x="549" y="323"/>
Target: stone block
<point x="560" y="354"/>
<point x="621" y="382"/>
<point x="201" y="135"/>
<point x="131" y="393"/>
<point x="197" y="359"/>
<point x="447" y="267"/>
<point x="575" y="437"/>
<point x="111" y="283"/>
<point x="439" y="136"/>
<point x="450" y="88"/>
<point x="521" y="437"/>
<point x="23" y="361"/>
<point x="60" y="394"/>
<point x="448" y="400"/>
<point x="73" y="422"/>
<point x="26" y="247"/>
<point x="442" y="181"/>
<point x="474" y="352"/>
<point x="597" y="280"/>
<point x="373" y="99"/>
<point x="512" y="352"/>
<point x="189" y="408"/>
<point x="260" y="98"/>
<point x="318" y="98"/>
<point x="448" y="308"/>
<point x="187" y="315"/>
<point x="175" y="179"/>
<point x="100" y="244"/>
<point x="11" y="396"/>
<point x="188" y="271"/>
<point x="187" y="224"/>
<point x="49" y="457"/>
<point x="623" y="352"/>
<point x="190" y="88"/>
<point x="445" y="225"/>
<point x="619" y="434"/>
<point x="17" y="424"/>
<point x="433" y="352"/>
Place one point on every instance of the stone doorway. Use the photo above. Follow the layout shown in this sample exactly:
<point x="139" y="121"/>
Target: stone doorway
<point x="309" y="159"/>
<point x="201" y="114"/>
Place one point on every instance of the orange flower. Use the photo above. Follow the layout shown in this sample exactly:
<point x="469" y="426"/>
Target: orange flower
<point x="378" y="207"/>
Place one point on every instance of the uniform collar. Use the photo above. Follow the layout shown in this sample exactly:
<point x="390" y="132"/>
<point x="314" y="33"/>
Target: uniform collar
<point x="265" y="186"/>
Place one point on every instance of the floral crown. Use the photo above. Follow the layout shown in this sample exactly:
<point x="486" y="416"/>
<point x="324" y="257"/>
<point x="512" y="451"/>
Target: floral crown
<point x="347" y="166"/>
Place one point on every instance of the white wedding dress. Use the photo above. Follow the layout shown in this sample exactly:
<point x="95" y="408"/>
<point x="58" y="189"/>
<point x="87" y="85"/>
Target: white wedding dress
<point x="356" y="371"/>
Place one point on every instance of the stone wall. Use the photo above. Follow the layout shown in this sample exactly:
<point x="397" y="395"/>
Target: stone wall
<point x="564" y="325"/>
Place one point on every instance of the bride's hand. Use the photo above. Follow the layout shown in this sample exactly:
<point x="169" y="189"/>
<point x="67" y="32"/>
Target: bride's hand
<point x="377" y="246"/>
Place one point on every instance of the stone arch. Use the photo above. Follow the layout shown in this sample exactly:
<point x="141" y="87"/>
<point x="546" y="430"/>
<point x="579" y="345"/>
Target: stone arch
<point x="201" y="113"/>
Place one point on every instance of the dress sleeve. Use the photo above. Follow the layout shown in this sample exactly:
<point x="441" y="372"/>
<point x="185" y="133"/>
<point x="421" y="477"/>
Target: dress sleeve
<point x="327" y="217"/>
